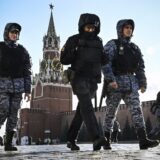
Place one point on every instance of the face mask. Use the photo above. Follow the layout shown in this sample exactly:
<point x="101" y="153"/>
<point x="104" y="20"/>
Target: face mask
<point x="89" y="35"/>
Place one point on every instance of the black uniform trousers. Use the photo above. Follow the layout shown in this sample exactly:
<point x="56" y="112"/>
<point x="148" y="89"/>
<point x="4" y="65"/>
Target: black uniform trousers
<point x="85" y="90"/>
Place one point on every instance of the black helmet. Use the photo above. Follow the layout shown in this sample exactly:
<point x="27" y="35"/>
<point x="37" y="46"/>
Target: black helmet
<point x="88" y="18"/>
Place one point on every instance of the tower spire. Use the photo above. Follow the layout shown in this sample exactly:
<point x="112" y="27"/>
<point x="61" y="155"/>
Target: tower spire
<point x="51" y="27"/>
<point x="51" y="6"/>
<point x="50" y="67"/>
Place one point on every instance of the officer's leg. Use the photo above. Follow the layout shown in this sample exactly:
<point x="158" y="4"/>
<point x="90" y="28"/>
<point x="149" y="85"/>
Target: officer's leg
<point x="89" y="118"/>
<point x="132" y="101"/>
<point x="87" y="113"/>
<point x="112" y="103"/>
<point x="116" y="136"/>
<point x="74" y="129"/>
<point x="4" y="107"/>
<point x="153" y="134"/>
<point x="15" y="101"/>
<point x="78" y="85"/>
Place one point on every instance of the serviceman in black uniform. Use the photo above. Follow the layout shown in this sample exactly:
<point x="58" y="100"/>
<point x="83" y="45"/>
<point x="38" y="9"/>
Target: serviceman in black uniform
<point x="84" y="51"/>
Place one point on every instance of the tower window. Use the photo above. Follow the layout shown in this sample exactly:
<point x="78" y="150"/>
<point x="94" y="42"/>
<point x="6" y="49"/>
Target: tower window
<point x="50" y="41"/>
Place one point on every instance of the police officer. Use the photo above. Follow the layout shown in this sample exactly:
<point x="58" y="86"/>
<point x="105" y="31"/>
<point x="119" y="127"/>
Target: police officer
<point x="155" y="110"/>
<point x="84" y="51"/>
<point x="15" y="79"/>
<point x="125" y="75"/>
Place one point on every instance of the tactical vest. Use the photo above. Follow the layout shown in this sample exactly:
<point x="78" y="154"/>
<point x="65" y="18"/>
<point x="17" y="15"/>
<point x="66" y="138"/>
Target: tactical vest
<point x="11" y="61"/>
<point x="88" y="58"/>
<point x="126" y="59"/>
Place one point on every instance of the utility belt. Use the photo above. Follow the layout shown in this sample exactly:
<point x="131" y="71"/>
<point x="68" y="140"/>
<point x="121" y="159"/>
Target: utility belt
<point x="4" y="78"/>
<point x="119" y="73"/>
<point x="69" y="74"/>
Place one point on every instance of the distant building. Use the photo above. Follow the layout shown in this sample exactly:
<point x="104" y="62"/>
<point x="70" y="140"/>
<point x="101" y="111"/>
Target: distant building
<point x="49" y="95"/>
<point x="50" y="112"/>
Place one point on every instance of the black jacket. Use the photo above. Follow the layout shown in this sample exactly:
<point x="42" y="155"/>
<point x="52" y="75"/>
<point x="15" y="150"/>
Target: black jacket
<point x="84" y="51"/>
<point x="15" y="64"/>
<point x="85" y="56"/>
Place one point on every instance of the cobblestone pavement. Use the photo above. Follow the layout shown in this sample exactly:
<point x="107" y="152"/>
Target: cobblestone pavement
<point x="60" y="152"/>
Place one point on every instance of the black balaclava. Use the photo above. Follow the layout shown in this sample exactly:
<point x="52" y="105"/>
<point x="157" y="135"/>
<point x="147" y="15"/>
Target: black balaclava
<point x="85" y="19"/>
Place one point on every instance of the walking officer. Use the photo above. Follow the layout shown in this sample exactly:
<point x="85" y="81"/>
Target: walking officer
<point x="15" y="79"/>
<point x="84" y="51"/>
<point x="125" y="75"/>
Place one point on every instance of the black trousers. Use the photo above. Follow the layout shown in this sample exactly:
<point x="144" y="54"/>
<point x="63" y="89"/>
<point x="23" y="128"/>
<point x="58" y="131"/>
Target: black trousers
<point x="84" y="112"/>
<point x="115" y="136"/>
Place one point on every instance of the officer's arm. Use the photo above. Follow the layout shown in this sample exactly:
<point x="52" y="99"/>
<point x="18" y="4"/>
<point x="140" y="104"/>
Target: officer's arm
<point x="68" y="52"/>
<point x="140" y="73"/>
<point x="109" y="50"/>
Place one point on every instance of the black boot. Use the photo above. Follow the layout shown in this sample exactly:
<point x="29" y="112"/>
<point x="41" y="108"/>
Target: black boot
<point x="108" y="144"/>
<point x="98" y="143"/>
<point x="144" y="142"/>
<point x="72" y="145"/>
<point x="8" y="142"/>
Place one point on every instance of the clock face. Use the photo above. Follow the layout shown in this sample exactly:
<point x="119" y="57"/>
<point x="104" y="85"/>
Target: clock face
<point x="56" y="64"/>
